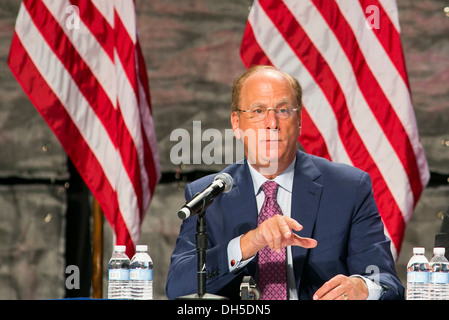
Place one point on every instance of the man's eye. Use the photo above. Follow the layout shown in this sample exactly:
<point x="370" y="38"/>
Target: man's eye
<point x="283" y="110"/>
<point x="258" y="111"/>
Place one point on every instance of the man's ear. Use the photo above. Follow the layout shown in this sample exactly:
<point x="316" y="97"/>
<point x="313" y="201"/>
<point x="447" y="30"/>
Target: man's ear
<point x="235" y="124"/>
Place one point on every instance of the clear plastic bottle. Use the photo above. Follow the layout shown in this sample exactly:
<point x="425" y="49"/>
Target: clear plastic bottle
<point x="417" y="275"/>
<point x="439" y="276"/>
<point x="141" y="274"/>
<point x="118" y="274"/>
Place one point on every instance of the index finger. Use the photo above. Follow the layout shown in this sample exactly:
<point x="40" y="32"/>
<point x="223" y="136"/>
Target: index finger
<point x="293" y="224"/>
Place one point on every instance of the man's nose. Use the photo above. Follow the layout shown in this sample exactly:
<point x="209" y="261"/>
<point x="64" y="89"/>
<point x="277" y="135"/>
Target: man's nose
<point x="271" y="121"/>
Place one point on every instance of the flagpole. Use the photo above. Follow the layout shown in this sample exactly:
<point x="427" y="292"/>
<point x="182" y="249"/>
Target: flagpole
<point x="97" y="255"/>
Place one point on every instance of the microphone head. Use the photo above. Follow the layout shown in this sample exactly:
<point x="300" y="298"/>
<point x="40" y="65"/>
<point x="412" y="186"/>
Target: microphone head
<point x="226" y="179"/>
<point x="184" y="213"/>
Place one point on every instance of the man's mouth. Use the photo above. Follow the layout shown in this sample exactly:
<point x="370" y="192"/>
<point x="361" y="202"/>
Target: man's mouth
<point x="270" y="140"/>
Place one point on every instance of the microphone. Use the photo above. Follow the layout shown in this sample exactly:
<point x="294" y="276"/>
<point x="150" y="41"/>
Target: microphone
<point x="222" y="183"/>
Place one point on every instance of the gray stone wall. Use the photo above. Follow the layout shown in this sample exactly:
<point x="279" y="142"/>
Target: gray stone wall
<point x="192" y="53"/>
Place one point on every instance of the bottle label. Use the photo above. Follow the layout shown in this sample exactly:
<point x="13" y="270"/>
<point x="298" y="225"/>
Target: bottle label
<point x="141" y="274"/>
<point x="439" y="277"/>
<point x="118" y="274"/>
<point x="421" y="277"/>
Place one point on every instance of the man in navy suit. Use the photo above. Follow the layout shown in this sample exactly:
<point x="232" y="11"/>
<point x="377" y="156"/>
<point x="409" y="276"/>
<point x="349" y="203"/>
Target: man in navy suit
<point x="330" y="226"/>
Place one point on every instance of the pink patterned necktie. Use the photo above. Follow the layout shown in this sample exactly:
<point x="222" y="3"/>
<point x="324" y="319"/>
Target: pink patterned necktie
<point x="272" y="276"/>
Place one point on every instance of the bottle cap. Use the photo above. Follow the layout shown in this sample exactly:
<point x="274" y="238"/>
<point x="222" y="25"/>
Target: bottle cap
<point x="439" y="250"/>
<point x="418" y="250"/>
<point x="120" y="248"/>
<point x="141" y="247"/>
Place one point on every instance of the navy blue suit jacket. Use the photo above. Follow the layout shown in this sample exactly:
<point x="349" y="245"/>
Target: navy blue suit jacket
<point x="334" y="204"/>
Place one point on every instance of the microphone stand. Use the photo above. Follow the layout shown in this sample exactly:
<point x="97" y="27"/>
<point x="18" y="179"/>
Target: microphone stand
<point x="201" y="247"/>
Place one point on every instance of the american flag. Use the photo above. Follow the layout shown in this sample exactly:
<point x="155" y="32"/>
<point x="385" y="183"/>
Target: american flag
<point x="347" y="55"/>
<point x="80" y="63"/>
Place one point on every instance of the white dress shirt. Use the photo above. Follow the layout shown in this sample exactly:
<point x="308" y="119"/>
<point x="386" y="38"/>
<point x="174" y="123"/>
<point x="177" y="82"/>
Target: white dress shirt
<point x="284" y="197"/>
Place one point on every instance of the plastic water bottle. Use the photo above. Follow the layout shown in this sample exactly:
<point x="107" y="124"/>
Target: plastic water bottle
<point x="439" y="276"/>
<point x="141" y="274"/>
<point x="118" y="274"/>
<point x="417" y="275"/>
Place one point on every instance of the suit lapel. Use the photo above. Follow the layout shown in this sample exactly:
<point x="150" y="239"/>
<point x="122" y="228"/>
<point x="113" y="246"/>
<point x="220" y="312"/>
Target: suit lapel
<point x="306" y="195"/>
<point x="242" y="202"/>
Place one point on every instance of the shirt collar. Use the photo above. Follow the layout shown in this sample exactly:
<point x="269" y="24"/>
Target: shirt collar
<point x="284" y="180"/>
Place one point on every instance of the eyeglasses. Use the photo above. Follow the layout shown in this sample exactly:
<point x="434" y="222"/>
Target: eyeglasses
<point x="260" y="113"/>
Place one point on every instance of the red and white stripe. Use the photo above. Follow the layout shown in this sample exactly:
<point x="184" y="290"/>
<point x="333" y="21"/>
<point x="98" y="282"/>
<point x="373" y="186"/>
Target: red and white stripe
<point x="91" y="87"/>
<point x="357" y="104"/>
